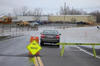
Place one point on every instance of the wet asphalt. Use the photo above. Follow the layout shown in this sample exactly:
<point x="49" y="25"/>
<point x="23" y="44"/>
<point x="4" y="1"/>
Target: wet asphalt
<point x="72" y="57"/>
<point x="13" y="52"/>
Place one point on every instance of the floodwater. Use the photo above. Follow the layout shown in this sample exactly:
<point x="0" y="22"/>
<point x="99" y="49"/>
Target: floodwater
<point x="13" y="52"/>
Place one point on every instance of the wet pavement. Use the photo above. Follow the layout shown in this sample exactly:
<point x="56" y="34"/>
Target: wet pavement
<point x="72" y="57"/>
<point x="13" y="52"/>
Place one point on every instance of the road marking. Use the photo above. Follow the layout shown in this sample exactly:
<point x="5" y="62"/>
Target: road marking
<point x="38" y="62"/>
<point x="75" y="50"/>
<point x="87" y="52"/>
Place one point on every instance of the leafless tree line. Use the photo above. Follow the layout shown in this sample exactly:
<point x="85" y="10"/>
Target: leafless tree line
<point x="24" y="11"/>
<point x="66" y="10"/>
<point x="97" y="14"/>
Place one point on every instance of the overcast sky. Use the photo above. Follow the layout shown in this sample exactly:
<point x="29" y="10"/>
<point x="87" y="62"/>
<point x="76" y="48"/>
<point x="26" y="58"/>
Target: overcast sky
<point x="49" y="6"/>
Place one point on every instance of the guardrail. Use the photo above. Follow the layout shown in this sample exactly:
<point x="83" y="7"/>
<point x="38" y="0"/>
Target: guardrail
<point x="92" y="44"/>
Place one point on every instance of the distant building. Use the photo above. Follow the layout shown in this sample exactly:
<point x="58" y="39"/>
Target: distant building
<point x="23" y="18"/>
<point x="60" y="18"/>
<point x="30" y="18"/>
<point x="72" y="18"/>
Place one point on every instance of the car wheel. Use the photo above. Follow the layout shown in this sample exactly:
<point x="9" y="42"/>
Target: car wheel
<point x="42" y="43"/>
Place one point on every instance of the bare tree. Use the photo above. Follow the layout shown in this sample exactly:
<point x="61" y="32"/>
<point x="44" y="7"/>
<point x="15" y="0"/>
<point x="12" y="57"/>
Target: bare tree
<point x="21" y="11"/>
<point x="65" y="10"/>
<point x="17" y="12"/>
<point x="24" y="11"/>
<point x="97" y="14"/>
<point x="9" y="15"/>
<point x="37" y="13"/>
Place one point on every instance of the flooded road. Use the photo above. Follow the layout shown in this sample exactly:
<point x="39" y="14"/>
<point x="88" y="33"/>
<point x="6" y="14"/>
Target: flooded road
<point x="13" y="51"/>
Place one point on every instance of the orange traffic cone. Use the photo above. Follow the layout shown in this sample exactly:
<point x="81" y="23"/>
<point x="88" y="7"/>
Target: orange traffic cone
<point x="31" y="39"/>
<point x="37" y="40"/>
<point x="30" y="53"/>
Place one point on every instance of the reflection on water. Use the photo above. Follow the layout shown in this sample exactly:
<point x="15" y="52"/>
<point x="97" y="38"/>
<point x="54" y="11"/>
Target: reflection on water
<point x="59" y="26"/>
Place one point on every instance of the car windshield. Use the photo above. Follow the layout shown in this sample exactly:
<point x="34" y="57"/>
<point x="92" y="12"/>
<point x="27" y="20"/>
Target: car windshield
<point x="50" y="32"/>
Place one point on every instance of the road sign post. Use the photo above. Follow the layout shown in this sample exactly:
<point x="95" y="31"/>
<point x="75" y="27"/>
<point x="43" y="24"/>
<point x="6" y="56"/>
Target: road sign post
<point x="94" y="52"/>
<point x="62" y="50"/>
